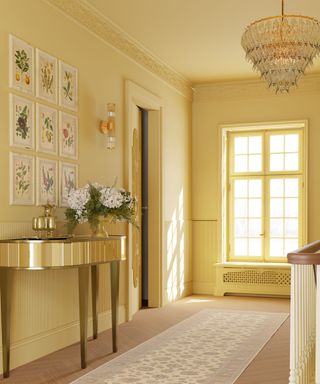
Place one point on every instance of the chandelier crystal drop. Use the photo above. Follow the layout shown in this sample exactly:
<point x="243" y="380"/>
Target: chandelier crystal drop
<point x="282" y="47"/>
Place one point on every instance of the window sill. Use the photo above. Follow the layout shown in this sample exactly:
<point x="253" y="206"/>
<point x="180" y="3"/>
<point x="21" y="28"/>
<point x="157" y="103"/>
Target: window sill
<point x="252" y="264"/>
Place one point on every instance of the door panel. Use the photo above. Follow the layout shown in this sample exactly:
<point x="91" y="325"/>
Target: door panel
<point x="136" y="231"/>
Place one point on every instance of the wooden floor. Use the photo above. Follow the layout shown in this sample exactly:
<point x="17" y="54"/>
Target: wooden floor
<point x="270" y="366"/>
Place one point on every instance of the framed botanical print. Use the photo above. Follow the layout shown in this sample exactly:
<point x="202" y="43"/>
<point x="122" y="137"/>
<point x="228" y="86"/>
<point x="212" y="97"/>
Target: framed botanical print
<point x="21" y="179"/>
<point x="21" y="122"/>
<point x="46" y="76"/>
<point x="21" y="65"/>
<point x="68" y="132"/>
<point x="68" y="181"/>
<point x="68" y="86"/>
<point x="47" y="178"/>
<point x="47" y="129"/>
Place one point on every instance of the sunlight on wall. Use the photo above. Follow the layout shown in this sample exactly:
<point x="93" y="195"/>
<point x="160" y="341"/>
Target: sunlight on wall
<point x="176" y="252"/>
<point x="181" y="261"/>
<point x="171" y="257"/>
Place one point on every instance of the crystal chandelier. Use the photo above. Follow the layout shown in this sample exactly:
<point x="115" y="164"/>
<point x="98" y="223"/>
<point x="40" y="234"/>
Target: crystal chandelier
<point x="282" y="47"/>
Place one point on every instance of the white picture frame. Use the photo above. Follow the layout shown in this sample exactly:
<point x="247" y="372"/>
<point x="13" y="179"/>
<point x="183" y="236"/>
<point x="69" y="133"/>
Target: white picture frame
<point x="46" y="76"/>
<point x="68" y="135"/>
<point x="21" y="179"/>
<point x="68" y="176"/>
<point x="47" y="129"/>
<point x="21" y="65"/>
<point x="21" y="112"/>
<point x="47" y="181"/>
<point x="68" y="86"/>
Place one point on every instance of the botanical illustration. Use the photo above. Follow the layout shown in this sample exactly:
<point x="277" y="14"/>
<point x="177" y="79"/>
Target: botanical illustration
<point x="46" y="76"/>
<point x="68" y="135"/>
<point x="21" y="65"/>
<point x="21" y="122"/>
<point x="47" y="129"/>
<point x="47" y="181"/>
<point x="68" y="92"/>
<point x="68" y="181"/>
<point x="68" y="88"/>
<point x="21" y="179"/>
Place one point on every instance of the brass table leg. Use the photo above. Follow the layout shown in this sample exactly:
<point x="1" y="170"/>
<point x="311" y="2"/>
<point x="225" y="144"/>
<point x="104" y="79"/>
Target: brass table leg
<point x="83" y="308"/>
<point x="95" y="294"/>
<point x="5" y="287"/>
<point x="114" y="270"/>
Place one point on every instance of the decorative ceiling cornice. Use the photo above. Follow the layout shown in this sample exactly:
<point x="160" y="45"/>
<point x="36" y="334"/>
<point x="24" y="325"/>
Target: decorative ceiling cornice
<point x="252" y="88"/>
<point x="88" y="17"/>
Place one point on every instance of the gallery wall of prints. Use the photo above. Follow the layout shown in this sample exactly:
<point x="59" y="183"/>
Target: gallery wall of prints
<point x="43" y="106"/>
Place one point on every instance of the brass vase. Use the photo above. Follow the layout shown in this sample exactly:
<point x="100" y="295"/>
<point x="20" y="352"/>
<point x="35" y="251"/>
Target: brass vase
<point x="99" y="228"/>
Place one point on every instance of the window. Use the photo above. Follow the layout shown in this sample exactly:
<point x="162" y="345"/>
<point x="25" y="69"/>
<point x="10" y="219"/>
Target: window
<point x="264" y="200"/>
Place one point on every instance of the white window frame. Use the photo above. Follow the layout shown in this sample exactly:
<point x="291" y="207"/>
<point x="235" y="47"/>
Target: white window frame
<point x="223" y="184"/>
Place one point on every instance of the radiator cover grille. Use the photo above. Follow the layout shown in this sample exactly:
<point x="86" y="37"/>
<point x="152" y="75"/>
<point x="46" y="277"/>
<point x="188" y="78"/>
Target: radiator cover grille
<point x="251" y="276"/>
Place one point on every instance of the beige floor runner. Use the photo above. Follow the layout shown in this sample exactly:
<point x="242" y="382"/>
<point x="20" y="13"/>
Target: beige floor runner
<point x="210" y="347"/>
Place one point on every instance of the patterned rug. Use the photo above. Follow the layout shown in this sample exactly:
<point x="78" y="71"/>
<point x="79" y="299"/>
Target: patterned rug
<point x="212" y="346"/>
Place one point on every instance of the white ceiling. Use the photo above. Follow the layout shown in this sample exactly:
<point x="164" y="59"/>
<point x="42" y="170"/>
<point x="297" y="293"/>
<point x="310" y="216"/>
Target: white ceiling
<point x="200" y="39"/>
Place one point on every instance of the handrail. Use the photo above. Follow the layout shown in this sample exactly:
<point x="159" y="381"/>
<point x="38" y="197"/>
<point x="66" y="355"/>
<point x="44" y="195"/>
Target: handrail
<point x="307" y="255"/>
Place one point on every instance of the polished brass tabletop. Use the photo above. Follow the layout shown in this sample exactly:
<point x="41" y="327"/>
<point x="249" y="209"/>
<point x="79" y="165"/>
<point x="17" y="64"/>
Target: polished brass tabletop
<point x="59" y="252"/>
<point x="82" y="252"/>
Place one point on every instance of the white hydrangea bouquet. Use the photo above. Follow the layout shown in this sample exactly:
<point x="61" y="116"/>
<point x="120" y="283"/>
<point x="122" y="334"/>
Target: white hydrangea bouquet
<point x="93" y="201"/>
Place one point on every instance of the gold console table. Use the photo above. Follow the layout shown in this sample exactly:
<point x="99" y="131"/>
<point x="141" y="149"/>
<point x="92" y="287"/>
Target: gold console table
<point x="84" y="253"/>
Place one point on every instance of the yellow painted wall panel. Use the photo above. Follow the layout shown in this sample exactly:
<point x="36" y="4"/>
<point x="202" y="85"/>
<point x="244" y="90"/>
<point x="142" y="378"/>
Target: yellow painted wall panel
<point x="205" y="252"/>
<point x="177" y="262"/>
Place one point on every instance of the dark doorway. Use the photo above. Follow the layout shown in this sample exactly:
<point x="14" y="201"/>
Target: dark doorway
<point x="144" y="189"/>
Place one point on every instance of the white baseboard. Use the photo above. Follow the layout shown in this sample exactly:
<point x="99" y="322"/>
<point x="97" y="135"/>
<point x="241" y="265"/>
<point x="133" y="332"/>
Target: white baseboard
<point x="32" y="348"/>
<point x="203" y="287"/>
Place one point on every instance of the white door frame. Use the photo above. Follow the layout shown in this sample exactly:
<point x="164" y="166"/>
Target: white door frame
<point x="136" y="96"/>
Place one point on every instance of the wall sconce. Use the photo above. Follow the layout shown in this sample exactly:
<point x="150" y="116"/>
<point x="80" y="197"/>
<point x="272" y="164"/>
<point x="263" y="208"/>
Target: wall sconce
<point x="108" y="126"/>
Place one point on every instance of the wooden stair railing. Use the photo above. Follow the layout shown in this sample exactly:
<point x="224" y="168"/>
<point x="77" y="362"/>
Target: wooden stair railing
<point x="305" y="315"/>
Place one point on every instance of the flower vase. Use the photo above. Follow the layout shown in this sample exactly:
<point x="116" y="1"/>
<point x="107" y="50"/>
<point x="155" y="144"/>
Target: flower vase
<point x="99" y="228"/>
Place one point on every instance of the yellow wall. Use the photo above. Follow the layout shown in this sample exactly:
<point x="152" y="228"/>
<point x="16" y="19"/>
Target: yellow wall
<point x="242" y="102"/>
<point x="51" y="297"/>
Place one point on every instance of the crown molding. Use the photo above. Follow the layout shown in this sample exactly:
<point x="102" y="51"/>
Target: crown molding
<point x="252" y="89"/>
<point x="88" y="17"/>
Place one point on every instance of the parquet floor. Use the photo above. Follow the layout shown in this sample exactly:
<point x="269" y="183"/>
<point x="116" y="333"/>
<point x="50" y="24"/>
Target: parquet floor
<point x="271" y="365"/>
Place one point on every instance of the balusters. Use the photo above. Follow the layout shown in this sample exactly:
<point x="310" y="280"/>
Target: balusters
<point x="303" y="324"/>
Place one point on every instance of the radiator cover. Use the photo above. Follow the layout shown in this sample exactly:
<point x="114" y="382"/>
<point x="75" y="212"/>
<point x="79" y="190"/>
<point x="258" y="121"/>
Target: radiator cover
<point x="255" y="280"/>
